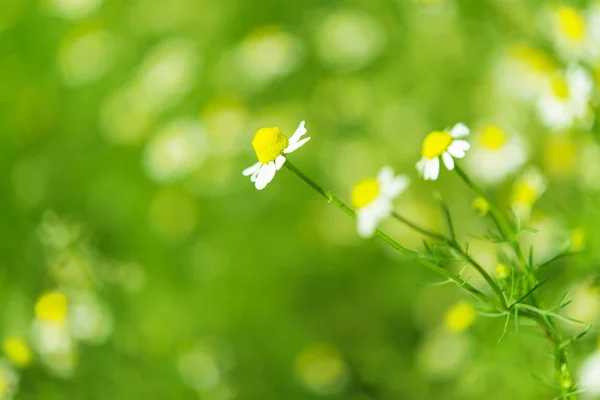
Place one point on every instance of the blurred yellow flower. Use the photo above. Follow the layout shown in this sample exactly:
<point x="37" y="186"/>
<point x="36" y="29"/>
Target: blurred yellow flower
<point x="270" y="145"/>
<point x="17" y="351"/>
<point x="444" y="145"/>
<point x="481" y="206"/>
<point x="570" y="23"/>
<point x="460" y="317"/>
<point x="51" y="306"/>
<point x="536" y="59"/>
<point x="527" y="190"/>
<point x="502" y="271"/>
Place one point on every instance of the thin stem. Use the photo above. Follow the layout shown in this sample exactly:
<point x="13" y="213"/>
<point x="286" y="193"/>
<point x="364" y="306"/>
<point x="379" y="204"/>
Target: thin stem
<point x="454" y="245"/>
<point x="408" y="253"/>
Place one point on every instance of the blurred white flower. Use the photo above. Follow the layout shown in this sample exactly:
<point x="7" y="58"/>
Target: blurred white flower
<point x="373" y="199"/>
<point x="176" y="150"/>
<point x="89" y="319"/>
<point x="527" y="189"/>
<point x="495" y="154"/>
<point x="270" y="145"/>
<point x="349" y="39"/>
<point x="445" y="145"/>
<point x="566" y="99"/>
<point x="589" y="376"/>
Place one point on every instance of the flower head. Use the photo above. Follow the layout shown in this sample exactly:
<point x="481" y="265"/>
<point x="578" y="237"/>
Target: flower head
<point x="17" y="351"/>
<point x="373" y="197"/>
<point x="444" y="145"/>
<point x="51" y="306"/>
<point x="495" y="154"/>
<point x="270" y="145"/>
<point x="527" y="190"/>
<point x="566" y="99"/>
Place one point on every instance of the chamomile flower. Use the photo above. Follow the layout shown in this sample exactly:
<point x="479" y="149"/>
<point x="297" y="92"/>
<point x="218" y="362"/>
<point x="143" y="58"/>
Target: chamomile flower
<point x="271" y="145"/>
<point x="444" y="145"/>
<point x="566" y="99"/>
<point x="569" y="30"/>
<point x="495" y="154"/>
<point x="526" y="191"/>
<point x="373" y="197"/>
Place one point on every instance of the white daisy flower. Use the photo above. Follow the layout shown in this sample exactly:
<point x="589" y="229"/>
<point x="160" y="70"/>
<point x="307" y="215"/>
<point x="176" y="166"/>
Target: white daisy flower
<point x="589" y="375"/>
<point x="373" y="197"/>
<point x="442" y="144"/>
<point x="495" y="154"/>
<point x="566" y="99"/>
<point x="528" y="188"/>
<point x="570" y="32"/>
<point x="270" y="146"/>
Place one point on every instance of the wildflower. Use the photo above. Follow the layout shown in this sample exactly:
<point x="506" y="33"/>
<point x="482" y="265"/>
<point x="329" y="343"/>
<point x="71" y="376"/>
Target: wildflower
<point x="526" y="191"/>
<point x="51" y="306"/>
<point x="270" y="145"/>
<point x="442" y="144"/>
<point x="502" y="271"/>
<point x="481" y="206"/>
<point x="566" y="99"/>
<point x="495" y="154"/>
<point x="460" y="317"/>
<point x="17" y="351"/>
<point x="373" y="197"/>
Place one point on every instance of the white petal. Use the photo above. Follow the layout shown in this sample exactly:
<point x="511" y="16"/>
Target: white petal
<point x="385" y="176"/>
<point x="459" y="130"/>
<point x="279" y="162"/>
<point x="448" y="161"/>
<point x="255" y="174"/>
<point x="432" y="169"/>
<point x="300" y="131"/>
<point x="295" y="146"/>
<point x="396" y="186"/>
<point x="458" y="148"/>
<point x="366" y="223"/>
<point x="421" y="166"/>
<point x="266" y="175"/>
<point x="251" y="170"/>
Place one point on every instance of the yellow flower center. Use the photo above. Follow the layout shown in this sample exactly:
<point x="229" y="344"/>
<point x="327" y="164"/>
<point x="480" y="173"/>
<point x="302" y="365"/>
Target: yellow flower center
<point x="571" y="23"/>
<point x="436" y="143"/>
<point x="365" y="192"/>
<point x="524" y="194"/>
<point x="560" y="88"/>
<point x="536" y="59"/>
<point x="493" y="137"/>
<point x="17" y="351"/>
<point x="269" y="144"/>
<point x="481" y="205"/>
<point x="460" y="317"/>
<point x="51" y="306"/>
<point x="502" y="271"/>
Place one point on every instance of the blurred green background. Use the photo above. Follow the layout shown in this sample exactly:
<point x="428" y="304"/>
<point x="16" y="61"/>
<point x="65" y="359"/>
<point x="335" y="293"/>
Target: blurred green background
<point x="125" y="126"/>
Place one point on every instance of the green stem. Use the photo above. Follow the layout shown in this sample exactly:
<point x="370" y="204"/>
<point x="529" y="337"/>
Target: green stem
<point x="561" y="366"/>
<point x="454" y="245"/>
<point x="397" y="246"/>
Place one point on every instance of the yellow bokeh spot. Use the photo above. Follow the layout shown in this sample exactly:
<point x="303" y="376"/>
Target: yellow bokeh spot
<point x="536" y="59"/>
<point x="577" y="239"/>
<point x="571" y="23"/>
<point x="365" y="192"/>
<point x="436" y="143"/>
<point x="51" y="306"/>
<point x="460" y="317"/>
<point x="560" y="87"/>
<point x="481" y="206"/>
<point x="502" y="271"/>
<point x="560" y="155"/>
<point x="492" y="137"/>
<point x="524" y="194"/>
<point x="268" y="144"/>
<point x="17" y="351"/>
